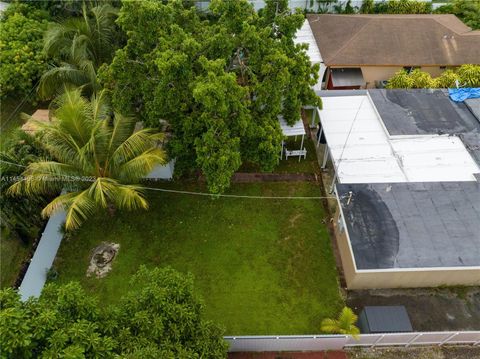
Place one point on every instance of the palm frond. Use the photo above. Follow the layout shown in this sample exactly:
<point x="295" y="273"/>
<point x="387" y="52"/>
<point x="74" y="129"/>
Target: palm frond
<point x="79" y="208"/>
<point x="136" y="144"/>
<point x="56" y="78"/>
<point x="129" y="197"/>
<point x="141" y="165"/>
<point x="46" y="177"/>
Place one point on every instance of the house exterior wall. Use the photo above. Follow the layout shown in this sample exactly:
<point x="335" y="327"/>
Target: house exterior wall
<point x="395" y="278"/>
<point x="382" y="73"/>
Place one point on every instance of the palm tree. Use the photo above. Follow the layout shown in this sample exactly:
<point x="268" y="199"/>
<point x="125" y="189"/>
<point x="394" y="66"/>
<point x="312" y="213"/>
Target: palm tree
<point x="99" y="159"/>
<point x="80" y="46"/>
<point x="344" y="324"/>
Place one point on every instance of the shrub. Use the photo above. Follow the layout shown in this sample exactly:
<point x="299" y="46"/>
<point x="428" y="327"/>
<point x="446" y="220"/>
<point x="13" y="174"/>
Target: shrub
<point x="469" y="75"/>
<point x="466" y="10"/>
<point x="403" y="7"/>
<point x="447" y="79"/>
<point x="421" y="79"/>
<point x="401" y="79"/>
<point x="21" y="43"/>
<point x="368" y="7"/>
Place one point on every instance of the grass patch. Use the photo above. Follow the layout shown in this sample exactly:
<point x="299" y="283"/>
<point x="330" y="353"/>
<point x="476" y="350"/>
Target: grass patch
<point x="262" y="266"/>
<point x="292" y="165"/>
<point x="12" y="253"/>
<point x="10" y="117"/>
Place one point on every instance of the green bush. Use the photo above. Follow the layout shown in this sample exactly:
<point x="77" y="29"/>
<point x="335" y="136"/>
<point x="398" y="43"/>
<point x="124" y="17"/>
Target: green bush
<point x="466" y="10"/>
<point x="368" y="7"/>
<point x="401" y="79"/>
<point x="21" y="43"/>
<point x="403" y="7"/>
<point x="467" y="76"/>
<point x="447" y="79"/>
<point x="421" y="79"/>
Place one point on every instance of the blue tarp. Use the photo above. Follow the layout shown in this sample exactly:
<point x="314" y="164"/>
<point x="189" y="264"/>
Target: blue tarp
<point x="460" y="95"/>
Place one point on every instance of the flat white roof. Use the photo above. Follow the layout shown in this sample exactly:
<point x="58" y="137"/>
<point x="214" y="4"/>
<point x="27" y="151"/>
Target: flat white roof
<point x="363" y="152"/>
<point x="297" y="129"/>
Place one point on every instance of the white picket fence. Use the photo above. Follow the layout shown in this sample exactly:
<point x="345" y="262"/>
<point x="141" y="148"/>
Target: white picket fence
<point x="338" y="342"/>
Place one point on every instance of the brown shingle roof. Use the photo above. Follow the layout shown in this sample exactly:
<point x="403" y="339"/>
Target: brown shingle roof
<point x="397" y="40"/>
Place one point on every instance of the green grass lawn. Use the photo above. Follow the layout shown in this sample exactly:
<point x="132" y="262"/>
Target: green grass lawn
<point x="12" y="254"/>
<point x="262" y="266"/>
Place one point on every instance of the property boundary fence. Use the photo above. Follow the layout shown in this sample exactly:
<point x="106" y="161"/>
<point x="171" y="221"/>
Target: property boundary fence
<point x="337" y="342"/>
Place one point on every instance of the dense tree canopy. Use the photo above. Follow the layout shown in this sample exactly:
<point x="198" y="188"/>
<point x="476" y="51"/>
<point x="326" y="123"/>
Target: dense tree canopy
<point x="218" y="79"/>
<point x="466" y="10"/>
<point x="21" y="42"/>
<point x="161" y="317"/>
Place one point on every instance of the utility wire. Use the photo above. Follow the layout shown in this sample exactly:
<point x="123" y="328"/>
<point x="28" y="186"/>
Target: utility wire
<point x="206" y="194"/>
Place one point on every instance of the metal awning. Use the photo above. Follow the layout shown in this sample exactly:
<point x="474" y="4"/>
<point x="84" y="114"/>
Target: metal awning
<point x="348" y="77"/>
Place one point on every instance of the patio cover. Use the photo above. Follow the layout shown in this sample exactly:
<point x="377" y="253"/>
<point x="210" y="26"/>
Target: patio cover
<point x="296" y="130"/>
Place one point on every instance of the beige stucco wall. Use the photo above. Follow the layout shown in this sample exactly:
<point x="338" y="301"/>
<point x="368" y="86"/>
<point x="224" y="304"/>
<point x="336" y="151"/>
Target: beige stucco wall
<point x="399" y="278"/>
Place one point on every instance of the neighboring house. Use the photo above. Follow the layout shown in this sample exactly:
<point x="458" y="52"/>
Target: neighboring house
<point x="363" y="51"/>
<point x="407" y="170"/>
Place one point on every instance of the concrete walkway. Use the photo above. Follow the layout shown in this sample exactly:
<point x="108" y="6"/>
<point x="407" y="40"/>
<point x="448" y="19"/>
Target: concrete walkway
<point x="43" y="258"/>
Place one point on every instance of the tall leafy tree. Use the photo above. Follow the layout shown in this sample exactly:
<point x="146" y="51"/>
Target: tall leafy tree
<point x="160" y="317"/>
<point x="220" y="80"/>
<point x="79" y="46"/>
<point x="21" y="58"/>
<point x="98" y="159"/>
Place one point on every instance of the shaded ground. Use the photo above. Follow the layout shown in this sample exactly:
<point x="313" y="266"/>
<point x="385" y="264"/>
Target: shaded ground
<point x="453" y="352"/>
<point x="436" y="309"/>
<point x="290" y="355"/>
<point x="12" y="254"/>
<point x="263" y="266"/>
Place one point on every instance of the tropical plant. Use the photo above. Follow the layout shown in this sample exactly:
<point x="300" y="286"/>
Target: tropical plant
<point x="79" y="47"/>
<point x="99" y="159"/>
<point x="160" y="316"/>
<point x="20" y="215"/>
<point x="447" y="79"/>
<point x="421" y="79"/>
<point x="368" y="7"/>
<point x="21" y="58"/>
<point x="408" y="7"/>
<point x="220" y="82"/>
<point x="466" y="10"/>
<point x="401" y="79"/>
<point x="469" y="75"/>
<point x="344" y="324"/>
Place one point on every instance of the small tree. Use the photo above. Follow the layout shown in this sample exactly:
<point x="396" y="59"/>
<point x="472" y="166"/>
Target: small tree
<point x="22" y="61"/>
<point x="344" y="324"/>
<point x="161" y="317"/>
<point x="368" y="7"/>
